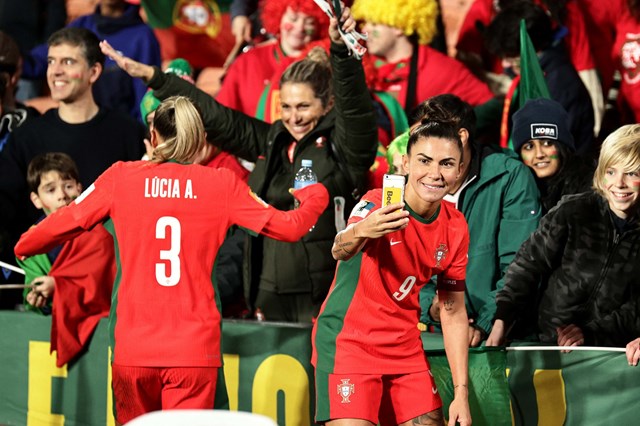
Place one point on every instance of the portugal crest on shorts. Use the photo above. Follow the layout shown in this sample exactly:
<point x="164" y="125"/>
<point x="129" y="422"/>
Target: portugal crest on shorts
<point x="345" y="390"/>
<point x="441" y="254"/>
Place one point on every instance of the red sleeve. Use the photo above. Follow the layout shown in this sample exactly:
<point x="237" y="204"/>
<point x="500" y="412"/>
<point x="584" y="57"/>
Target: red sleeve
<point x="228" y="94"/>
<point x="442" y="74"/>
<point x="468" y="87"/>
<point x="249" y="211"/>
<point x="370" y="202"/>
<point x="224" y="160"/>
<point x="90" y="208"/>
<point x="292" y="225"/>
<point x="453" y="278"/>
<point x="577" y="41"/>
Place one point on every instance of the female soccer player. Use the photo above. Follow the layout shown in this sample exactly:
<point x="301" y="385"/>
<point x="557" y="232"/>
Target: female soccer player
<point x="170" y="218"/>
<point x="368" y="355"/>
<point x="327" y="117"/>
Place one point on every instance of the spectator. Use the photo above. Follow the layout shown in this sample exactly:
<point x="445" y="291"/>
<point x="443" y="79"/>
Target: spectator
<point x="498" y="197"/>
<point x="365" y="338"/>
<point x="81" y="272"/>
<point x="166" y="336"/>
<point x="581" y="262"/>
<point x="118" y="22"/>
<point x="54" y="183"/>
<point x="336" y="130"/>
<point x="405" y="66"/>
<point x="569" y="29"/>
<point x="295" y="24"/>
<point x="633" y="352"/>
<point x="93" y="136"/>
<point x="12" y="115"/>
<point x="565" y="86"/>
<point x="12" y="112"/>
<point x="542" y="138"/>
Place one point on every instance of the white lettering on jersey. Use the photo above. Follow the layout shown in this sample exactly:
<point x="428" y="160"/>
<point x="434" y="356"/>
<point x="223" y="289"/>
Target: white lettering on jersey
<point x="188" y="190"/>
<point x="165" y="188"/>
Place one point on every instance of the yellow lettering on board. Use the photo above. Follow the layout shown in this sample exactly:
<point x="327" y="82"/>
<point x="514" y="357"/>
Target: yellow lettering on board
<point x="513" y="421"/>
<point x="282" y="373"/>
<point x="42" y="367"/>
<point x="550" y="396"/>
<point x="232" y="378"/>
<point x="111" y="421"/>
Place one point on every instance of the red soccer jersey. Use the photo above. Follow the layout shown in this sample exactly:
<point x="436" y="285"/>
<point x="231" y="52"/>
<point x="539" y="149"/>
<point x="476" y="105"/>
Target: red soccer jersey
<point x="368" y="323"/>
<point x="437" y="74"/>
<point x="249" y="75"/>
<point x="170" y="220"/>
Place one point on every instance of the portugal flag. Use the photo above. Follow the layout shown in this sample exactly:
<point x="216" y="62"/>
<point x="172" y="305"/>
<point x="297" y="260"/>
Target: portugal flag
<point x="84" y="272"/>
<point x="196" y="30"/>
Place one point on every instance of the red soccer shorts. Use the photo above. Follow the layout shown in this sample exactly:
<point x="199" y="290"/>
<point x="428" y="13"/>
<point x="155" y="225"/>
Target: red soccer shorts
<point x="387" y="399"/>
<point x="139" y="390"/>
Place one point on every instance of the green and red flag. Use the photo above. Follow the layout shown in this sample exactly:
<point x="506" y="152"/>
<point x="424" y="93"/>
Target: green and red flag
<point x="530" y="84"/>
<point x="196" y="30"/>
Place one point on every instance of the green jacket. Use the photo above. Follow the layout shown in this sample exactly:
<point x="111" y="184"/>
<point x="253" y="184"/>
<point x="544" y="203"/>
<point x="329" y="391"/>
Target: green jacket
<point x="342" y="147"/>
<point x="501" y="205"/>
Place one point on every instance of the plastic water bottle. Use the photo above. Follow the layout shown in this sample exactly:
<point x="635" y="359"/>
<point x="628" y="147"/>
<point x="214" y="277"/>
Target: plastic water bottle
<point x="304" y="177"/>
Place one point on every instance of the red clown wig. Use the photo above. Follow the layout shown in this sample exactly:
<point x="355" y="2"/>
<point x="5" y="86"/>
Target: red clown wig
<point x="273" y="10"/>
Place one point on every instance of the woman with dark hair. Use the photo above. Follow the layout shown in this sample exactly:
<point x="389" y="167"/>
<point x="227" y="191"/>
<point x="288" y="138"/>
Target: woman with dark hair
<point x="365" y="340"/>
<point x="542" y="138"/>
<point x="327" y="117"/>
<point x="169" y="224"/>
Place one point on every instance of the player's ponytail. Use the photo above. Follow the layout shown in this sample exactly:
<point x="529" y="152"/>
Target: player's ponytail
<point x="180" y="129"/>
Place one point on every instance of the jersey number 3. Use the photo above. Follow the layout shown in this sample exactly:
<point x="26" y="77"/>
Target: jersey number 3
<point x="172" y="255"/>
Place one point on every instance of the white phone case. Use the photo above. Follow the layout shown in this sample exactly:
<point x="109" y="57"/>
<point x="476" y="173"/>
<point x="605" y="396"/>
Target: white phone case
<point x="392" y="189"/>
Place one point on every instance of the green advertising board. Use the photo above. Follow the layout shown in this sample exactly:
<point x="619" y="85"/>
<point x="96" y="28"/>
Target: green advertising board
<point x="267" y="371"/>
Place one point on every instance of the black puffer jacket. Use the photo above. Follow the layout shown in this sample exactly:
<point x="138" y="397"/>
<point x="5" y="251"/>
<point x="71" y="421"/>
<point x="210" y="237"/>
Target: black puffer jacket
<point x="342" y="146"/>
<point x="589" y="272"/>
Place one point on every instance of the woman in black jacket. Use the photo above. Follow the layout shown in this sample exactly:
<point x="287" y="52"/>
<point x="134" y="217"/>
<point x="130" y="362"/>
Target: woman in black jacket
<point x="327" y="117"/>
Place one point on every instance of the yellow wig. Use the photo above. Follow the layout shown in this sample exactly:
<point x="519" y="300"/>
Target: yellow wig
<point x="412" y="16"/>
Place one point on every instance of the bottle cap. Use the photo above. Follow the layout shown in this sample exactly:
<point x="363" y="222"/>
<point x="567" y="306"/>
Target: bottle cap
<point x="307" y="163"/>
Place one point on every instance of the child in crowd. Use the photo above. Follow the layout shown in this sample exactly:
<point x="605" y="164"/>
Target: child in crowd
<point x="83" y="270"/>
<point x="53" y="182"/>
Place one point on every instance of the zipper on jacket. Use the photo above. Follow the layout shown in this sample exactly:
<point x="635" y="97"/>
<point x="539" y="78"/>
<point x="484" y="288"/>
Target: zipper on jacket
<point x="607" y="264"/>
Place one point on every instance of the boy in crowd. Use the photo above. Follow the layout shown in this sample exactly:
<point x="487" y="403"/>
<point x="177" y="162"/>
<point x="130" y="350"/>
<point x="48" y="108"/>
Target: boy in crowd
<point x="82" y="271"/>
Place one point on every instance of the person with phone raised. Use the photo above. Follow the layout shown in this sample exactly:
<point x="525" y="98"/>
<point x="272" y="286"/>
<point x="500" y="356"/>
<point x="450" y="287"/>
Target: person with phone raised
<point x="365" y="340"/>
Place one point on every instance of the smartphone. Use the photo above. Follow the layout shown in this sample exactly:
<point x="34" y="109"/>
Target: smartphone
<point x="392" y="189"/>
